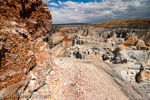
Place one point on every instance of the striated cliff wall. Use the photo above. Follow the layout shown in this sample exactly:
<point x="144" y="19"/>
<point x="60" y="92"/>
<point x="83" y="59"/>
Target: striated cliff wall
<point x="24" y="24"/>
<point x="31" y="15"/>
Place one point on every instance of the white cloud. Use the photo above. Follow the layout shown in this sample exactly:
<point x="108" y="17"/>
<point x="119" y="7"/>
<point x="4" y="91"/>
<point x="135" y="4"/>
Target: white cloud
<point x="54" y="4"/>
<point x="46" y="1"/>
<point x="71" y="12"/>
<point x="60" y="2"/>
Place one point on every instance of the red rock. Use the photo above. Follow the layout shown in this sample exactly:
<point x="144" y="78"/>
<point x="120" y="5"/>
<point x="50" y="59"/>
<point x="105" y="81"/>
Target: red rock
<point x="22" y="21"/>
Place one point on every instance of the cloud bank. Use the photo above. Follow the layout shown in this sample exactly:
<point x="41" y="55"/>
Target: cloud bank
<point x="75" y="12"/>
<point x="46" y="1"/>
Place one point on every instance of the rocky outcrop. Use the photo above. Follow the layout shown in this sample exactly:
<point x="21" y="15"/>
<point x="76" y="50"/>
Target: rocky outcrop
<point x="144" y="74"/>
<point x="26" y="17"/>
<point x="62" y="36"/>
<point x="24" y="24"/>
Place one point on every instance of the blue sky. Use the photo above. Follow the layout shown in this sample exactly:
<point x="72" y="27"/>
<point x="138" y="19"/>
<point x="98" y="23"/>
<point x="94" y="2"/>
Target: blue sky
<point x="80" y="11"/>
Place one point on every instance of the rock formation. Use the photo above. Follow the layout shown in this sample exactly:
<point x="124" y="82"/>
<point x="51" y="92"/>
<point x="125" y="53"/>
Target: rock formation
<point x="128" y="36"/>
<point x="24" y="24"/>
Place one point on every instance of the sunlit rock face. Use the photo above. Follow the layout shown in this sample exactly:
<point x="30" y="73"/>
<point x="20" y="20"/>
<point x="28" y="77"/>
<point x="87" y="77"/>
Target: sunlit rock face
<point x="26" y="16"/>
<point x="24" y="24"/>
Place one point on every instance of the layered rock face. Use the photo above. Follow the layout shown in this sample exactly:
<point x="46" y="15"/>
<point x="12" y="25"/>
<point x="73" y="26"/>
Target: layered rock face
<point x="62" y="36"/>
<point x="28" y="17"/>
<point x="132" y="36"/>
<point x="24" y="24"/>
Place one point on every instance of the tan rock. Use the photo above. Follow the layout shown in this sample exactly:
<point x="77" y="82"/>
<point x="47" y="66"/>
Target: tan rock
<point x="140" y="43"/>
<point x="148" y="44"/>
<point x="143" y="76"/>
<point x="93" y="56"/>
<point x="121" y="47"/>
<point x="131" y="39"/>
<point x="100" y="38"/>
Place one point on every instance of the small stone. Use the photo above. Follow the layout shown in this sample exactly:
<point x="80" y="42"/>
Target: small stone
<point x="31" y="53"/>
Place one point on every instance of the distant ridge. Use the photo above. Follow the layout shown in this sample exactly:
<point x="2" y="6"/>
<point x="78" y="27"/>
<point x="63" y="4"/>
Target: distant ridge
<point x="124" y="23"/>
<point x="72" y="24"/>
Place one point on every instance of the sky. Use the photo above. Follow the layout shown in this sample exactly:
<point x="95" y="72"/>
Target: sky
<point x="84" y="11"/>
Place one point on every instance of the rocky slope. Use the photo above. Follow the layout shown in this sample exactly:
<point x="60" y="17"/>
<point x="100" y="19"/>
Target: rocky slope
<point x="91" y="79"/>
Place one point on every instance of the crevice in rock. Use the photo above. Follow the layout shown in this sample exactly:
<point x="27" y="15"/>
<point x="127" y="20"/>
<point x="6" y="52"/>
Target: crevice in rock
<point x="22" y="12"/>
<point x="25" y="36"/>
<point x="2" y="54"/>
<point x="46" y="40"/>
<point x="32" y="67"/>
<point x="26" y="86"/>
<point x="36" y="90"/>
<point x="78" y="55"/>
<point x="26" y="13"/>
<point x="19" y="92"/>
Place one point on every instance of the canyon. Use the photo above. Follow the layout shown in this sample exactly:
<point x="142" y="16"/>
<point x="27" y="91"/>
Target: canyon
<point x="126" y="48"/>
<point x="90" y="61"/>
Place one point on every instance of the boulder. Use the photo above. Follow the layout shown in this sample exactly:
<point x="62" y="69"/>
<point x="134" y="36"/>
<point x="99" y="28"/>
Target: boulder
<point x="148" y="44"/>
<point x="116" y="41"/>
<point x="100" y="38"/>
<point x="130" y="39"/>
<point x="143" y="75"/>
<point x="106" y="57"/>
<point x="140" y="43"/>
<point x="93" y="55"/>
